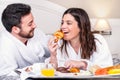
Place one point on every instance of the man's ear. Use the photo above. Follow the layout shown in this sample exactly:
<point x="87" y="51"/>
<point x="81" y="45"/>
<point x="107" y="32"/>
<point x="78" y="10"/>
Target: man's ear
<point x="15" y="29"/>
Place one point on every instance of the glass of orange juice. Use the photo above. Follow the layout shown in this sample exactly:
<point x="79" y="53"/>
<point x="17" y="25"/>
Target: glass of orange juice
<point x="48" y="71"/>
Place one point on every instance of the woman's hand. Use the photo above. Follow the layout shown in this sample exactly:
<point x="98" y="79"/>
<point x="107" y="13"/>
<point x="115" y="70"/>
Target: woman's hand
<point x="53" y="48"/>
<point x="78" y="64"/>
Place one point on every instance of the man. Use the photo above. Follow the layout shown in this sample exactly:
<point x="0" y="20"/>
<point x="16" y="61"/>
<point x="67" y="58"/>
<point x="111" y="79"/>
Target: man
<point x="20" y="46"/>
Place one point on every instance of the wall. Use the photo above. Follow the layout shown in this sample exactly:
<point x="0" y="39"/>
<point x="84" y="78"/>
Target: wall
<point x="95" y="8"/>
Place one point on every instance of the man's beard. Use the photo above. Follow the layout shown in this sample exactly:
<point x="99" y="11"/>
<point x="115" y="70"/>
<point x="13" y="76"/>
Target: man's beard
<point x="30" y="34"/>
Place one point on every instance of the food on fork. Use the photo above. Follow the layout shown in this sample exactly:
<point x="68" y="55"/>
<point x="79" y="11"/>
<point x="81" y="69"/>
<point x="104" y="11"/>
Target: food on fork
<point x="59" y="35"/>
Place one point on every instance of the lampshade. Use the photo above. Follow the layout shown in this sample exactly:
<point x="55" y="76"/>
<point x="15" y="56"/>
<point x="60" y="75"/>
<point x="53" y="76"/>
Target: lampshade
<point x="102" y="25"/>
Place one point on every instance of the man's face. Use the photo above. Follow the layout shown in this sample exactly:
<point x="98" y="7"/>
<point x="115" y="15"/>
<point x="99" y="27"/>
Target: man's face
<point x="27" y="26"/>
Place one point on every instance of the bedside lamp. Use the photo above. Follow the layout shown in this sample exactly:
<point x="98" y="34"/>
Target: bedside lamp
<point x="103" y="27"/>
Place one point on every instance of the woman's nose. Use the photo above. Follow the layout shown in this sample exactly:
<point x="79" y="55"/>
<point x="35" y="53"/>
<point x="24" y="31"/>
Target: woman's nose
<point x="63" y="26"/>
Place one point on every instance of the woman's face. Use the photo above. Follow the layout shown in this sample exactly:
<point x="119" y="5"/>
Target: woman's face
<point x="70" y="27"/>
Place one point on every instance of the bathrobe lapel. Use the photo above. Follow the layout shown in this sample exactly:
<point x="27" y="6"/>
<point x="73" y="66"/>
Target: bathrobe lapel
<point x="23" y="50"/>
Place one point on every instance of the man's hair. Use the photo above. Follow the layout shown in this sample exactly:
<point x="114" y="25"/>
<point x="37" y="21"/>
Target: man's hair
<point x="13" y="13"/>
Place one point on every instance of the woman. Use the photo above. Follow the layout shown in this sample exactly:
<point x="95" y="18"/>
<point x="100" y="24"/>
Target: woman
<point x="80" y="47"/>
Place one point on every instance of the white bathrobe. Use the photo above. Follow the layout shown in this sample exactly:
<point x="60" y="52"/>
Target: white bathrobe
<point x="102" y="57"/>
<point x="14" y="54"/>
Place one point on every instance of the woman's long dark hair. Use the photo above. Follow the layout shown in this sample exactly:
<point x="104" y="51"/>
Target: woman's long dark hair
<point x="88" y="45"/>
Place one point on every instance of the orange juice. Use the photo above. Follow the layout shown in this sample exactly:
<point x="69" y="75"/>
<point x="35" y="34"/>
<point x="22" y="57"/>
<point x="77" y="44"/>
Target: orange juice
<point x="48" y="72"/>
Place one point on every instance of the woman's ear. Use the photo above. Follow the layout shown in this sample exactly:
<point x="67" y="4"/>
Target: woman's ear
<point x="15" y="29"/>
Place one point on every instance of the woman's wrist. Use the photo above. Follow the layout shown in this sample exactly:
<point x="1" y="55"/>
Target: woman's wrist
<point x="83" y="65"/>
<point x="53" y="61"/>
<point x="53" y="54"/>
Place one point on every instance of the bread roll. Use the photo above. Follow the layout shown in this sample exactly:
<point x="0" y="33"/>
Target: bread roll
<point x="94" y="68"/>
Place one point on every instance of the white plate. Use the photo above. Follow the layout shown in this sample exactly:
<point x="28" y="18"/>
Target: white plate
<point x="82" y="73"/>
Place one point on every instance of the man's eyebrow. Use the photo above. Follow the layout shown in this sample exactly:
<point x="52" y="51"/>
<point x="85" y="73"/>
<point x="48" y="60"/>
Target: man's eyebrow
<point x="31" y="21"/>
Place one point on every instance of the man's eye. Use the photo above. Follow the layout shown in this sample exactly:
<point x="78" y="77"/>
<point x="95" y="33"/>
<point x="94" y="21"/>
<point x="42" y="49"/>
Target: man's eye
<point x="61" y="23"/>
<point x="30" y="24"/>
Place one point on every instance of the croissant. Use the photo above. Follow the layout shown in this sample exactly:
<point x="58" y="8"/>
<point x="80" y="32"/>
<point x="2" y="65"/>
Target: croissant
<point x="59" y="35"/>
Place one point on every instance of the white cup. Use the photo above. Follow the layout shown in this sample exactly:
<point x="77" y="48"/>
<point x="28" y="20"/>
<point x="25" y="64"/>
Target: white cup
<point x="37" y="68"/>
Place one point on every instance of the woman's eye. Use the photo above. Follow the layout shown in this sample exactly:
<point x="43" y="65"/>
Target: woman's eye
<point x="69" y="23"/>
